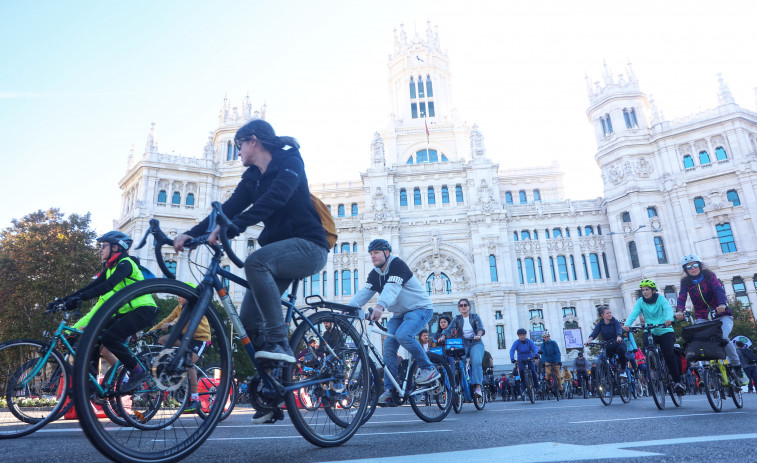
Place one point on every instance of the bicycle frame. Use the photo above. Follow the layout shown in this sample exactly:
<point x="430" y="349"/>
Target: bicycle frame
<point x="58" y="335"/>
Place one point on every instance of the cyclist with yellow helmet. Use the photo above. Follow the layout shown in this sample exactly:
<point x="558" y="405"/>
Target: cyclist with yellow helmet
<point x="657" y="310"/>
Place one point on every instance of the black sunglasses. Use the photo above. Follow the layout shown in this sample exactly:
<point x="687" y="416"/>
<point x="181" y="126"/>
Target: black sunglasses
<point x="463" y="305"/>
<point x="238" y="142"/>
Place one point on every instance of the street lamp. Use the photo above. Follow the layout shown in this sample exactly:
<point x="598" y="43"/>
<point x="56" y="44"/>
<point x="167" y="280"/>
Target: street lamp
<point x="631" y="233"/>
<point x="700" y="241"/>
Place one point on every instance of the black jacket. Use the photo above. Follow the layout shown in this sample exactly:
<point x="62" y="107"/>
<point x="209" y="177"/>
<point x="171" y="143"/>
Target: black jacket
<point x="280" y="198"/>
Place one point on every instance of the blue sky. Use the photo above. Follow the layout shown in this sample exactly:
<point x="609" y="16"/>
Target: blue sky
<point x="82" y="81"/>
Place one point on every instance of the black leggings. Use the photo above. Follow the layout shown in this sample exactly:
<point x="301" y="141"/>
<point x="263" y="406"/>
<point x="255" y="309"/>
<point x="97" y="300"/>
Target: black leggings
<point x="666" y="342"/>
<point x="120" y="327"/>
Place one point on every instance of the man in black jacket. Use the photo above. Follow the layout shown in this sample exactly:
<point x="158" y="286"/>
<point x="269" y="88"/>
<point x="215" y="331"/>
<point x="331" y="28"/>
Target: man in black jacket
<point x="749" y="363"/>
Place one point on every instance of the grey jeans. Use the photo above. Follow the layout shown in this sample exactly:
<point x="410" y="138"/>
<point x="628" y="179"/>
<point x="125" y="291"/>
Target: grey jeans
<point x="270" y="270"/>
<point x="730" y="349"/>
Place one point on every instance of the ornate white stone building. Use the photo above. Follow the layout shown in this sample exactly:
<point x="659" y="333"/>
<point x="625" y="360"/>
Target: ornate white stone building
<point x="506" y="239"/>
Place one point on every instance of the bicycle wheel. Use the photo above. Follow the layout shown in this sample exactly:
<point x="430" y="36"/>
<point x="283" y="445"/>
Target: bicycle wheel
<point x="530" y="389"/>
<point x="457" y="401"/>
<point x="206" y="380"/>
<point x="439" y="391"/>
<point x="480" y="402"/>
<point x="110" y="406"/>
<point x="584" y="388"/>
<point x="557" y="391"/>
<point x="345" y="388"/>
<point x="677" y="399"/>
<point x="377" y="387"/>
<point x="711" y="380"/>
<point x="625" y="389"/>
<point x="605" y="382"/>
<point x="735" y="391"/>
<point x="656" y="382"/>
<point x="32" y="402"/>
<point x="158" y="444"/>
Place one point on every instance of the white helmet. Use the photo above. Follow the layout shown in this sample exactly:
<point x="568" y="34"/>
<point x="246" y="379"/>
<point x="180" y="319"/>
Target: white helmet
<point x="689" y="259"/>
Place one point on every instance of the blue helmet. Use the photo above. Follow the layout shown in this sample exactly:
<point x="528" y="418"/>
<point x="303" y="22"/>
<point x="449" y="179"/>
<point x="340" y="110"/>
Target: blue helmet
<point x="379" y="245"/>
<point x="116" y="237"/>
<point x="689" y="259"/>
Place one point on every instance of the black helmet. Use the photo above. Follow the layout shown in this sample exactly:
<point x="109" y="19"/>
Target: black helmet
<point x="522" y="331"/>
<point x="379" y="245"/>
<point x="116" y="237"/>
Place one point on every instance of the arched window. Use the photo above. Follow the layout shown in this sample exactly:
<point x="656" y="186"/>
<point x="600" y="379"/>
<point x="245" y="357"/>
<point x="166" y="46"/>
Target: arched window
<point x="190" y="201"/>
<point x="345" y="247"/>
<point x="556" y="233"/>
<point x="651" y="212"/>
<point x="599" y="229"/>
<point x="171" y="264"/>
<point x="699" y="204"/>
<point x="588" y="230"/>
<point x="629" y="115"/>
<point x="525" y="235"/>
<point x="595" y="271"/>
<point x="445" y="195"/>
<point x="229" y="151"/>
<point x="176" y="198"/>
<point x="340" y="210"/>
<point x="515" y="236"/>
<point x="530" y="271"/>
<point x="522" y="197"/>
<point x="315" y="284"/>
<point x="324" y="283"/>
<point x="354" y="247"/>
<point x="459" y="193"/>
<point x="431" y="284"/>
<point x="541" y="271"/>
<point x="704" y="158"/>
<point x="520" y="272"/>
<point x="578" y="229"/>
<point x="421" y="92"/>
<point x="403" y="198"/>
<point x="720" y="154"/>
<point x="633" y="254"/>
<point x="493" y="268"/>
<point x="562" y="268"/>
<point x="412" y="88"/>
<point x="426" y="156"/>
<point x="336" y="249"/>
<point x="417" y="196"/>
<point x="586" y="269"/>
<point x="607" y="269"/>
<point x="725" y="235"/>
<point x="626" y="217"/>
<point x="573" y="268"/>
<point x="508" y="197"/>
<point x="688" y="163"/>
<point x="536" y="235"/>
<point x="606" y="125"/>
<point x="537" y="195"/>
<point x="346" y="283"/>
<point x="431" y="195"/>
<point x="162" y="196"/>
<point x="659" y="248"/>
<point x="552" y="268"/>
<point x="733" y="197"/>
<point x="429" y="89"/>
<point x="546" y="233"/>
<point x="354" y="210"/>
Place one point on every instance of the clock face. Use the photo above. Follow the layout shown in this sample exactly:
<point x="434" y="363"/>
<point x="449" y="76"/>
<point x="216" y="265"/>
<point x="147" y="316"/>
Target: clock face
<point x="419" y="59"/>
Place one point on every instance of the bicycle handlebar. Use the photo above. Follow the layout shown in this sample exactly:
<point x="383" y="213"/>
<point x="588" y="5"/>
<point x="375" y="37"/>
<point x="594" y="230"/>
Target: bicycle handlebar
<point x="216" y="217"/>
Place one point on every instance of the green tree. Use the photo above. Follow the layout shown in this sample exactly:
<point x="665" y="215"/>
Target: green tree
<point x="743" y="321"/>
<point x="42" y="256"/>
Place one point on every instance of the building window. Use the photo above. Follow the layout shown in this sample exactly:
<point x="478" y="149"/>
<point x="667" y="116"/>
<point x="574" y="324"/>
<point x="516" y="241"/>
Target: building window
<point x="498" y="315"/>
<point x="176" y="198"/>
<point x="720" y="154"/>
<point x="659" y="247"/>
<point x="501" y="337"/>
<point x="536" y="234"/>
<point x="417" y="196"/>
<point x="340" y="210"/>
<point x="431" y="195"/>
<point x="588" y="230"/>
<point x="162" y="196"/>
<point x="556" y="233"/>
<point x="629" y="115"/>
<point x="432" y="285"/>
<point x="651" y="212"/>
<point x="426" y="156"/>
<point x="190" y="201"/>
<point x="354" y="247"/>
<point x="537" y="195"/>
<point x="727" y="243"/>
<point x="354" y="210"/>
<point x="459" y="193"/>
<point x="599" y="229"/>
<point x="355" y="280"/>
<point x="329" y="208"/>
<point x="525" y="235"/>
<point x="171" y="265"/>
<point x="336" y="249"/>
<point x="250" y="245"/>
<point x="607" y="269"/>
<point x="733" y="197"/>
<point x="688" y="163"/>
<point x="315" y="284"/>
<point x="567" y="232"/>
<point x="704" y="158"/>
<point x="336" y="283"/>
<point x="699" y="204"/>
<point x="508" y="197"/>
<point x="346" y="283"/>
<point x="515" y="236"/>
<point x="530" y="271"/>
<point x="535" y="313"/>
<point x="606" y="125"/>
<point x="520" y="272"/>
<point x="493" y="268"/>
<point x="562" y="268"/>
<point x="522" y="197"/>
<point x="445" y="195"/>
<point x="541" y="271"/>
<point x="573" y="268"/>
<point x="345" y="247"/>
<point x="578" y="229"/>
<point x="538" y="327"/>
<point x="546" y="233"/>
<point x="633" y="254"/>
<point x="595" y="271"/>
<point x="412" y="88"/>
<point x="626" y="217"/>
<point x="403" y="198"/>
<point x="568" y="311"/>
<point x="739" y="290"/>
<point x="552" y="269"/>
<point x="586" y="269"/>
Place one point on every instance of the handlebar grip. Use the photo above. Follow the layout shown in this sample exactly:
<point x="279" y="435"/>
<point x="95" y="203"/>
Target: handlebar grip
<point x="226" y="224"/>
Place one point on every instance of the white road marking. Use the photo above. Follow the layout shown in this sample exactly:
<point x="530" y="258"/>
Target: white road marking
<point x="300" y="437"/>
<point x="655" y="417"/>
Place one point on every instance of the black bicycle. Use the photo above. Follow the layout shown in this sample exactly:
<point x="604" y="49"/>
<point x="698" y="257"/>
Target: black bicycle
<point x="609" y="379"/>
<point x="329" y="425"/>
<point x="660" y="381"/>
<point x="527" y="379"/>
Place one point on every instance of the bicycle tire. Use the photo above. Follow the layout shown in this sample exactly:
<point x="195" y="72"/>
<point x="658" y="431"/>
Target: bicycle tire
<point x="110" y="407"/>
<point x="440" y="390"/>
<point x="605" y="383"/>
<point x="656" y="382"/>
<point x="735" y="391"/>
<point x="52" y="382"/>
<point x="480" y="402"/>
<point x="340" y="422"/>
<point x="669" y="385"/>
<point x="584" y="388"/>
<point x="212" y="393"/>
<point x="530" y="389"/>
<point x="377" y="387"/>
<point x="457" y="401"/>
<point x="712" y="387"/>
<point x="166" y="444"/>
<point x="625" y="390"/>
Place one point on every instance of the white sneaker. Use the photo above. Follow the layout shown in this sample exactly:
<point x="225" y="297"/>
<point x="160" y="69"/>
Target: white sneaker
<point x="427" y="376"/>
<point x="385" y="398"/>
<point x="624" y="375"/>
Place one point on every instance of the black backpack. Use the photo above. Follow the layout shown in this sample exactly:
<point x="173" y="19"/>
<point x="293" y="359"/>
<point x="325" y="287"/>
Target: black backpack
<point x="704" y="341"/>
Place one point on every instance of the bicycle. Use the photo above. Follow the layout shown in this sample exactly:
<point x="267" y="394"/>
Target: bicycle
<point x="609" y="379"/>
<point x="529" y="389"/>
<point x="660" y="380"/>
<point x="431" y="402"/>
<point x="720" y="382"/>
<point x="583" y="387"/>
<point x="461" y="376"/>
<point x="329" y="425"/>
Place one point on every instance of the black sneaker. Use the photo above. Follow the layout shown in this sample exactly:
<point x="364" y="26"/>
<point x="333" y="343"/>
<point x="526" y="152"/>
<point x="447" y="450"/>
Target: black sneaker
<point x="276" y="351"/>
<point x="267" y="416"/>
<point x="679" y="389"/>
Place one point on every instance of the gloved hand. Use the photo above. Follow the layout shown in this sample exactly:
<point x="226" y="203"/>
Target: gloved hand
<point x="53" y="306"/>
<point x="72" y="302"/>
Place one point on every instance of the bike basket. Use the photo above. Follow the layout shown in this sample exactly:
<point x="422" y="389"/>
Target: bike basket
<point x="704" y="341"/>
<point x="436" y="350"/>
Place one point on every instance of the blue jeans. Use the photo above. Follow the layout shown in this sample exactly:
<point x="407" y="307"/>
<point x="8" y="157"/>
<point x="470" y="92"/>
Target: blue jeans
<point x="476" y="353"/>
<point x="405" y="329"/>
<point x="270" y="270"/>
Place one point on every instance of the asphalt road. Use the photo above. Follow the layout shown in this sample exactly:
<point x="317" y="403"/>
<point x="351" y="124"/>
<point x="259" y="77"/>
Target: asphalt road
<point x="569" y="430"/>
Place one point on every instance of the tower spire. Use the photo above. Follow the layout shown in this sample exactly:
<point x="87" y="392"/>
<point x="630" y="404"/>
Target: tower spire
<point x="724" y="93"/>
